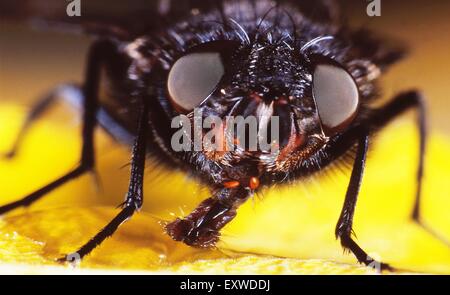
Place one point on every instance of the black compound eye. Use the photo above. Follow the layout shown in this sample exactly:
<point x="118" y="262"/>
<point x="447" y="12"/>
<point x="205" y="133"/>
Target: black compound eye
<point x="196" y="75"/>
<point x="336" y="95"/>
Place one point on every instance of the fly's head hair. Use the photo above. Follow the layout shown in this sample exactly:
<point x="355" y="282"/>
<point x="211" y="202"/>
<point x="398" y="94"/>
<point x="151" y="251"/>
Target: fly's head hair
<point x="256" y="58"/>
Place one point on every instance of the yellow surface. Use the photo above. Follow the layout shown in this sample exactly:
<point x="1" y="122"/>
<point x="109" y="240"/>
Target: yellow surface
<point x="296" y="222"/>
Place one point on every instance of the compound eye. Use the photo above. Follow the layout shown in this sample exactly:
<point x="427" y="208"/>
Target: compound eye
<point x="336" y="95"/>
<point x="197" y="74"/>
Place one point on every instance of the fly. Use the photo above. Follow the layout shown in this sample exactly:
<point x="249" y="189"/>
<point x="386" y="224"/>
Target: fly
<point x="290" y="59"/>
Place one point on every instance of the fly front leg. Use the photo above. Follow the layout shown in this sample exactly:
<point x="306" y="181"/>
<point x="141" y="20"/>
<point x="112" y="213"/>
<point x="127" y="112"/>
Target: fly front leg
<point x="135" y="195"/>
<point x="344" y="227"/>
<point x="378" y="120"/>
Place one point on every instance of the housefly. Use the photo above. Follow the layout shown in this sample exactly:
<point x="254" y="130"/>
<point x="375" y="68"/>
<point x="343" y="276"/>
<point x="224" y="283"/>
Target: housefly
<point x="294" y="60"/>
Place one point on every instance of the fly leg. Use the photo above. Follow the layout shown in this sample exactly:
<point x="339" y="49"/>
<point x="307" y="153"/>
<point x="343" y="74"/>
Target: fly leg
<point x="96" y="58"/>
<point x="344" y="225"/>
<point x="134" y="198"/>
<point x="400" y="104"/>
<point x="379" y="119"/>
<point x="65" y="91"/>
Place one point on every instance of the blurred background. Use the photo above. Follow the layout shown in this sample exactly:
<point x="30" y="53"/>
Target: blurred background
<point x="34" y="61"/>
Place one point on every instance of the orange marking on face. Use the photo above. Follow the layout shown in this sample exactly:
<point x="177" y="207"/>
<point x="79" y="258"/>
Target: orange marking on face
<point x="254" y="183"/>
<point x="231" y="184"/>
